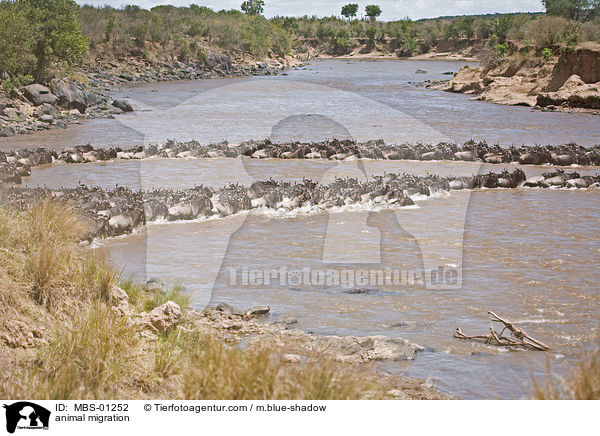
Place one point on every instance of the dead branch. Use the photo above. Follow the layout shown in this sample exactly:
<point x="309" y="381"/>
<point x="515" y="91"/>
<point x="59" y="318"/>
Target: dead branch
<point x="519" y="338"/>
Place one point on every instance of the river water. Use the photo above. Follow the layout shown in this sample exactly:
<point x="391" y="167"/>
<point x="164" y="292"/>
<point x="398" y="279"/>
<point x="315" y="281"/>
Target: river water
<point x="530" y="255"/>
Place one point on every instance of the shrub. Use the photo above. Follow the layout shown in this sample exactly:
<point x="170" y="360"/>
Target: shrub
<point x="546" y="54"/>
<point x="16" y="82"/>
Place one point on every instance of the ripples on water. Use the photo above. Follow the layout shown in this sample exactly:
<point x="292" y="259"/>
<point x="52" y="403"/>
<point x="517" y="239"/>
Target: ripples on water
<point x="529" y="255"/>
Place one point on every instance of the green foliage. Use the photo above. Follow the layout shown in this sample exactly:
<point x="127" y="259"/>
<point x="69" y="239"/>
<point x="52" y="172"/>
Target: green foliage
<point x="500" y="50"/>
<point x="56" y="30"/>
<point x="579" y="10"/>
<point x="253" y="7"/>
<point x="350" y="10"/>
<point x="546" y="54"/>
<point x="372" y="11"/>
<point x="16" y="82"/>
<point x="371" y="32"/>
<point x="16" y="45"/>
<point x="549" y="30"/>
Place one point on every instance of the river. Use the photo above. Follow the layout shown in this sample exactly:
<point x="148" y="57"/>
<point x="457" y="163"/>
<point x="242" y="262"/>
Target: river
<point x="530" y="255"/>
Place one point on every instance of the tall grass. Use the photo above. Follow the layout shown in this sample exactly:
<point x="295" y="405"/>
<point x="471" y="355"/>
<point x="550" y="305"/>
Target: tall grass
<point x="582" y="383"/>
<point x="90" y="351"/>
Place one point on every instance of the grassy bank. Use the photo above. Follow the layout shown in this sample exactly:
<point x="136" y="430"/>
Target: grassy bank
<point x="61" y="338"/>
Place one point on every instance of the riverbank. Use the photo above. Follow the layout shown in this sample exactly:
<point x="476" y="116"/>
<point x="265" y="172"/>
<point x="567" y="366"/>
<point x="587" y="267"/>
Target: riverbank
<point x="69" y="328"/>
<point x="570" y="82"/>
<point x="89" y="91"/>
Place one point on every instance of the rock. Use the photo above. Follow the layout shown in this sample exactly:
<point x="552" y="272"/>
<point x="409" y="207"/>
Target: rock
<point x="574" y="93"/>
<point x="155" y="286"/>
<point x="17" y="334"/>
<point x="94" y="99"/>
<point x="47" y="119"/>
<point x="70" y="95"/>
<point x="352" y="349"/>
<point x="287" y="320"/>
<point x="162" y="318"/>
<point x="218" y="60"/>
<point x="467" y="80"/>
<point x="7" y="131"/>
<point x="226" y="308"/>
<point x="398" y="394"/>
<point x="39" y="94"/>
<point x="419" y="71"/>
<point x="291" y="358"/>
<point x="583" y="62"/>
<point x="124" y="105"/>
<point x="257" y="311"/>
<point x="119" y="299"/>
<point x="47" y="109"/>
<point x="61" y="124"/>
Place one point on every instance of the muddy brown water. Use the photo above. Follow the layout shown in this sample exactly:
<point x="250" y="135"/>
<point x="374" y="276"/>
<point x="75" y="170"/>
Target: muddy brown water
<point x="530" y="255"/>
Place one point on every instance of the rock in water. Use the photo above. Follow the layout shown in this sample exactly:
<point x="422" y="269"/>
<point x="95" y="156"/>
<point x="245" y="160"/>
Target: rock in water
<point x="257" y="311"/>
<point x="124" y="105"/>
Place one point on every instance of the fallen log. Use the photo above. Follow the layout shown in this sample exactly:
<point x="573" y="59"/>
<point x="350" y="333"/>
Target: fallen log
<point x="518" y="338"/>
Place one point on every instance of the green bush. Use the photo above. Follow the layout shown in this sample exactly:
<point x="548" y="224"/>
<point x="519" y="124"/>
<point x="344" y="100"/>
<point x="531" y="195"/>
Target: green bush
<point x="546" y="54"/>
<point x="16" y="82"/>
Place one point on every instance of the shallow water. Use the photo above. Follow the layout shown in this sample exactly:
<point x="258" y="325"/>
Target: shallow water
<point x="529" y="255"/>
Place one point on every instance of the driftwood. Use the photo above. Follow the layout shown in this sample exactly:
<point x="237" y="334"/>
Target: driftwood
<point x="519" y="338"/>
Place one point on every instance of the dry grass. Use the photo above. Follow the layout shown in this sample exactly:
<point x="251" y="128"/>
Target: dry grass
<point x="583" y="382"/>
<point x="88" y="351"/>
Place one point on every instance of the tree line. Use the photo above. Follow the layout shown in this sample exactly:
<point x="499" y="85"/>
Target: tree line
<point x="40" y="38"/>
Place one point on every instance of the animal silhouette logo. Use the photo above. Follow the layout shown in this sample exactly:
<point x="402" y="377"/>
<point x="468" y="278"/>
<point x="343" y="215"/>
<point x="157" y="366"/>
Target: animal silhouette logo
<point x="26" y="415"/>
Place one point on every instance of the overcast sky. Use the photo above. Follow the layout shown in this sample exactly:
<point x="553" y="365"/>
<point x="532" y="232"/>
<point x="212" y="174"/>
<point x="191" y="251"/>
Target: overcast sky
<point x="392" y="9"/>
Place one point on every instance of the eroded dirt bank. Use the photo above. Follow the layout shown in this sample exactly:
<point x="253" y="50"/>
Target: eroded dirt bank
<point x="570" y="82"/>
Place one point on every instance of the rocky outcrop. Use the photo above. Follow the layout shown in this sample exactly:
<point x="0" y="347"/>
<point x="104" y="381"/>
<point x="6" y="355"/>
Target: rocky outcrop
<point x="573" y="93"/>
<point x="583" y="62"/>
<point x="18" y="334"/>
<point x="162" y="318"/>
<point x="70" y="95"/>
<point x="572" y="82"/>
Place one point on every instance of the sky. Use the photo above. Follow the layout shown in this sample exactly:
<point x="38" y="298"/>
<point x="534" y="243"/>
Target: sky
<point x="391" y="9"/>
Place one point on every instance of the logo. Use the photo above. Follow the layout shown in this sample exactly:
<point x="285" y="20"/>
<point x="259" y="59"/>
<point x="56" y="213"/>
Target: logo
<point x="26" y="415"/>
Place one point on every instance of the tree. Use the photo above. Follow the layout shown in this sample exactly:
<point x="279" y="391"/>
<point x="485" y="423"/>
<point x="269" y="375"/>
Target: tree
<point x="580" y="10"/>
<point x="16" y="45"/>
<point x="350" y="10"/>
<point x="56" y="32"/>
<point x="373" y="11"/>
<point x="253" y="7"/>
